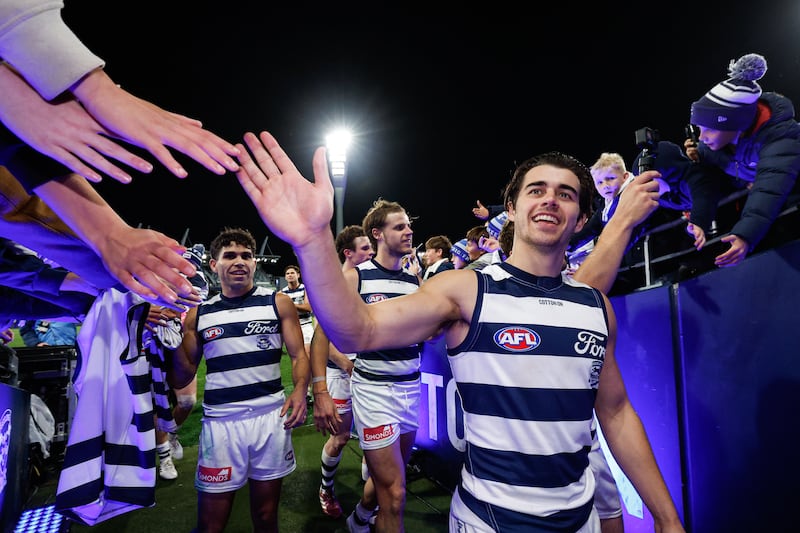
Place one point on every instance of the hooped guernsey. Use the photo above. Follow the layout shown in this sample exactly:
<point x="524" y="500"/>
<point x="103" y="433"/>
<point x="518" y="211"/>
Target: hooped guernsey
<point x="241" y="333"/>
<point x="376" y="283"/>
<point x="527" y="374"/>
<point x="298" y="296"/>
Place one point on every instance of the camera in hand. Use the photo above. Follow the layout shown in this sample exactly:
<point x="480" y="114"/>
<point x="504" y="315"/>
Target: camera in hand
<point x="647" y="141"/>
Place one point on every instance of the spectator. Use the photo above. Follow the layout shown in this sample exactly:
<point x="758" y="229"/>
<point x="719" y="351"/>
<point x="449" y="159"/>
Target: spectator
<point x="102" y="249"/>
<point x="246" y="429"/>
<point x="474" y="309"/>
<point x="610" y="177"/>
<point x="437" y="256"/>
<point x="491" y="244"/>
<point x="478" y="258"/>
<point x="460" y="254"/>
<point x="485" y="213"/>
<point x="749" y="136"/>
<point x="608" y="174"/>
<point x="45" y="60"/>
<point x="37" y="333"/>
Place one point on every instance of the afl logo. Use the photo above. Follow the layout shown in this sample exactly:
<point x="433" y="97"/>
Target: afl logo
<point x="212" y="333"/>
<point x="373" y="298"/>
<point x="517" y="339"/>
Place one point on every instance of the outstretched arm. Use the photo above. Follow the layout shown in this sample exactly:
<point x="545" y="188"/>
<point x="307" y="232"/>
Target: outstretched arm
<point x="145" y="261"/>
<point x="299" y="212"/>
<point x="146" y="125"/>
<point x="636" y="203"/>
<point x="62" y="130"/>
<point x="81" y="136"/>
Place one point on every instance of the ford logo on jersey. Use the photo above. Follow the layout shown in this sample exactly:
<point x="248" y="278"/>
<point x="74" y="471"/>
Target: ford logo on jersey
<point x="212" y="333"/>
<point x="517" y="339"/>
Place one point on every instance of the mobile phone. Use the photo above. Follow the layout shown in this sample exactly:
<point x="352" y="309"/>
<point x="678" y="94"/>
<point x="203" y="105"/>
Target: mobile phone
<point x="692" y="133"/>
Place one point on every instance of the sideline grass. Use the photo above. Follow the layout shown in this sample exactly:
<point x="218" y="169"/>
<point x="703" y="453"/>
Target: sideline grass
<point x="427" y="505"/>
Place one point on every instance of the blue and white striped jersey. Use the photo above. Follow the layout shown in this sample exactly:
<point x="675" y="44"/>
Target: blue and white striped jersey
<point x="527" y="374"/>
<point x="242" y="344"/>
<point x="298" y="296"/>
<point x="376" y="283"/>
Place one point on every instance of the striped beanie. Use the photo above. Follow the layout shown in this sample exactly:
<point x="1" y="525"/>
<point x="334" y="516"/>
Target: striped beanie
<point x="460" y="250"/>
<point x="496" y="224"/>
<point x="731" y="105"/>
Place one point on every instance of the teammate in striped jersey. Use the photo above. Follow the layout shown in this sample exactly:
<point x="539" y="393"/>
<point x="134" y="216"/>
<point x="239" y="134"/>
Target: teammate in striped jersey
<point x="247" y="423"/>
<point x="532" y="351"/>
<point x="330" y="371"/>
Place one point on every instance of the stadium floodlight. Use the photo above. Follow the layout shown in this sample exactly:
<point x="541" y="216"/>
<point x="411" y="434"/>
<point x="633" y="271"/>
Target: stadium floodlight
<point x="336" y="143"/>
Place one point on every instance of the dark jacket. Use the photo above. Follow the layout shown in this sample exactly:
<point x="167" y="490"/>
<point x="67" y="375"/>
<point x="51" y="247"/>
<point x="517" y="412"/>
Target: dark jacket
<point x="768" y="156"/>
<point x="444" y="265"/>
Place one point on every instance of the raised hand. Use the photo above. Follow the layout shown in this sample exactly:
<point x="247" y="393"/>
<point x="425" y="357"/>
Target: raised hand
<point x="692" y="152"/>
<point x="63" y="130"/>
<point x="480" y="211"/>
<point x="146" y="125"/>
<point x="639" y="198"/>
<point x="294" y="208"/>
<point x="149" y="263"/>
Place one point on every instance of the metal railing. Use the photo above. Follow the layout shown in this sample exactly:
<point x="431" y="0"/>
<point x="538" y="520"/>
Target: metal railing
<point x="648" y="261"/>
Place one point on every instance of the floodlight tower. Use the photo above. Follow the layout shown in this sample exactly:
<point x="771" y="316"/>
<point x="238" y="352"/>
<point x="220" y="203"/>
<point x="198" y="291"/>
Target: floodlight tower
<point x="337" y="143"/>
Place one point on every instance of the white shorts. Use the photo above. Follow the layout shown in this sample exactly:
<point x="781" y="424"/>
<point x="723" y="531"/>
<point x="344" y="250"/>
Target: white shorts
<point x="384" y="411"/>
<point x="463" y="520"/>
<point x="606" y="495"/>
<point x="339" y="387"/>
<point x="235" y="449"/>
<point x="308" y="332"/>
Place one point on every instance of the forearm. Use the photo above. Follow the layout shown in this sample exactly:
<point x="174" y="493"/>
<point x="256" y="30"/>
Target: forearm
<point x="301" y="372"/>
<point x="303" y="308"/>
<point x="37" y="42"/>
<point x="83" y="209"/>
<point x="599" y="269"/>
<point x="339" y="359"/>
<point x="27" y="272"/>
<point x="319" y="358"/>
<point x="181" y="370"/>
<point x="628" y="442"/>
<point x="91" y="86"/>
<point x="16" y="304"/>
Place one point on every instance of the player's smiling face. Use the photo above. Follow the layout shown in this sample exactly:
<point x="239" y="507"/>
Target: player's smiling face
<point x="547" y="210"/>
<point x="235" y="267"/>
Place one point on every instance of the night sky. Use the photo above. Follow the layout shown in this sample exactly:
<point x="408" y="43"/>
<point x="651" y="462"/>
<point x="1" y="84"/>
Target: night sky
<point x="443" y="107"/>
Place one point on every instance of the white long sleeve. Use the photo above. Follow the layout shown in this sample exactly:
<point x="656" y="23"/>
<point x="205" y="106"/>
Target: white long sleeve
<point x="38" y="43"/>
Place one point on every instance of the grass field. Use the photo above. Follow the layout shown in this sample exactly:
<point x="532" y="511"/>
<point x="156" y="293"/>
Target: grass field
<point x="427" y="504"/>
